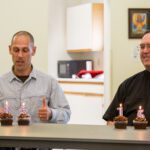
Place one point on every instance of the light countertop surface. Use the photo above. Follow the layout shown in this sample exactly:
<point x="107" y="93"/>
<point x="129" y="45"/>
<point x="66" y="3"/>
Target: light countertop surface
<point x="81" y="80"/>
<point x="75" y="136"/>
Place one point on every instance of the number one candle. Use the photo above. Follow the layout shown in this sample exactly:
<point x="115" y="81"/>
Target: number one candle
<point x="120" y="109"/>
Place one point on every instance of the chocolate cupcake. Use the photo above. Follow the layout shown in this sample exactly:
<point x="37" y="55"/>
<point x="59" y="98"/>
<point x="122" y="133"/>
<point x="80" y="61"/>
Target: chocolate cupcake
<point x="23" y="119"/>
<point x="140" y="123"/>
<point x="120" y="122"/>
<point x="6" y="119"/>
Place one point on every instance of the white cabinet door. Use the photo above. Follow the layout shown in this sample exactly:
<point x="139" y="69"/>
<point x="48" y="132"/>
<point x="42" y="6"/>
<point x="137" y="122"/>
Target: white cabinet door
<point x="85" y="27"/>
<point x="79" y="27"/>
<point x="86" y="109"/>
<point x="85" y="99"/>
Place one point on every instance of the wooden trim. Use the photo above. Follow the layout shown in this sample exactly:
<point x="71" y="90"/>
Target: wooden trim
<point x="98" y="26"/>
<point x="78" y="50"/>
<point x="84" y="93"/>
<point x="78" y="82"/>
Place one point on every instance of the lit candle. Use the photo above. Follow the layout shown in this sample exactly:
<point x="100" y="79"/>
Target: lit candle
<point x="6" y="107"/>
<point x="120" y="109"/>
<point x="140" y="112"/>
<point x="23" y="107"/>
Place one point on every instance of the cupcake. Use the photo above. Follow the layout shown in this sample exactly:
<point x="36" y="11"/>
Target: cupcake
<point x="120" y="122"/>
<point x="23" y="119"/>
<point x="0" y="115"/>
<point x="140" y="123"/>
<point x="6" y="119"/>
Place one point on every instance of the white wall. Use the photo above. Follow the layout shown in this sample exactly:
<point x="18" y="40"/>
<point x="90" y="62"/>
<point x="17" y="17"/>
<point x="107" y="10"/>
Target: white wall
<point x="57" y="34"/>
<point x="30" y="15"/>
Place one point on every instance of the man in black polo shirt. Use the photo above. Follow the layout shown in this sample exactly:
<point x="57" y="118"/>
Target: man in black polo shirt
<point x="134" y="91"/>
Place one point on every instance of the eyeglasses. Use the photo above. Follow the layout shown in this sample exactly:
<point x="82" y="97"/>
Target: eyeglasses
<point x="143" y="45"/>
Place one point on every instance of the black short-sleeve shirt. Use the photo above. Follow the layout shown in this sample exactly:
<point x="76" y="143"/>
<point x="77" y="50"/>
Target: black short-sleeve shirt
<point x="132" y="93"/>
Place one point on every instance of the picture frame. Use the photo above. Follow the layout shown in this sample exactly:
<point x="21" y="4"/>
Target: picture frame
<point x="138" y="22"/>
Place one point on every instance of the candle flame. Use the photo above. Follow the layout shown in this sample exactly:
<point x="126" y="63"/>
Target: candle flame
<point x="140" y="107"/>
<point x="23" y="103"/>
<point x="120" y="104"/>
<point x="6" y="103"/>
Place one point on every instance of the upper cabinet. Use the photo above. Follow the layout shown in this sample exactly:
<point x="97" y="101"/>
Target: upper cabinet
<point x="85" y="27"/>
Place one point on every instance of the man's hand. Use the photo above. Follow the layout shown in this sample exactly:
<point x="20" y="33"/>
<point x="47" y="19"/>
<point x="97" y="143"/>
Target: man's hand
<point x="45" y="112"/>
<point x="110" y="123"/>
<point x="1" y="111"/>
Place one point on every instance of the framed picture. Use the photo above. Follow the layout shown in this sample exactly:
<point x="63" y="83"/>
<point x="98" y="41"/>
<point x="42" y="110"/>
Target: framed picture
<point x="139" y="22"/>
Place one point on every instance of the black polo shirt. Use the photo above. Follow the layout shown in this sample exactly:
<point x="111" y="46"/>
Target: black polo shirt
<point x="132" y="93"/>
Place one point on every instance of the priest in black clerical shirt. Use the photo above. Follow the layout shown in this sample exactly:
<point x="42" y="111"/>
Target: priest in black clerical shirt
<point x="134" y="91"/>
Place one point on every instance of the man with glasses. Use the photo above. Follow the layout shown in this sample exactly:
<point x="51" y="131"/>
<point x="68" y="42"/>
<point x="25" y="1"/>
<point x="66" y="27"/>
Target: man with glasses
<point x="134" y="91"/>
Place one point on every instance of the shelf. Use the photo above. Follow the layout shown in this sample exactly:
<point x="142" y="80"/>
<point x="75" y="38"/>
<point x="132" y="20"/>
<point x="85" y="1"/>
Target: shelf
<point x="81" y="81"/>
<point x="79" y="50"/>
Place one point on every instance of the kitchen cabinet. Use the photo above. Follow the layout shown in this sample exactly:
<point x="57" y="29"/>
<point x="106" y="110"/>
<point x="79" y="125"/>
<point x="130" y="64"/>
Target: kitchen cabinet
<point x="86" y="100"/>
<point x="85" y="27"/>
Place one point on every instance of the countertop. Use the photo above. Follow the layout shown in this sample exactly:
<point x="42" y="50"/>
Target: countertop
<point x="81" y="80"/>
<point x="93" y="137"/>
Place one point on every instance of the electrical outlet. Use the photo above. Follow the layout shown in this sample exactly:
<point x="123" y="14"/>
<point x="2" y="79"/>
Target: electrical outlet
<point x="136" y="53"/>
